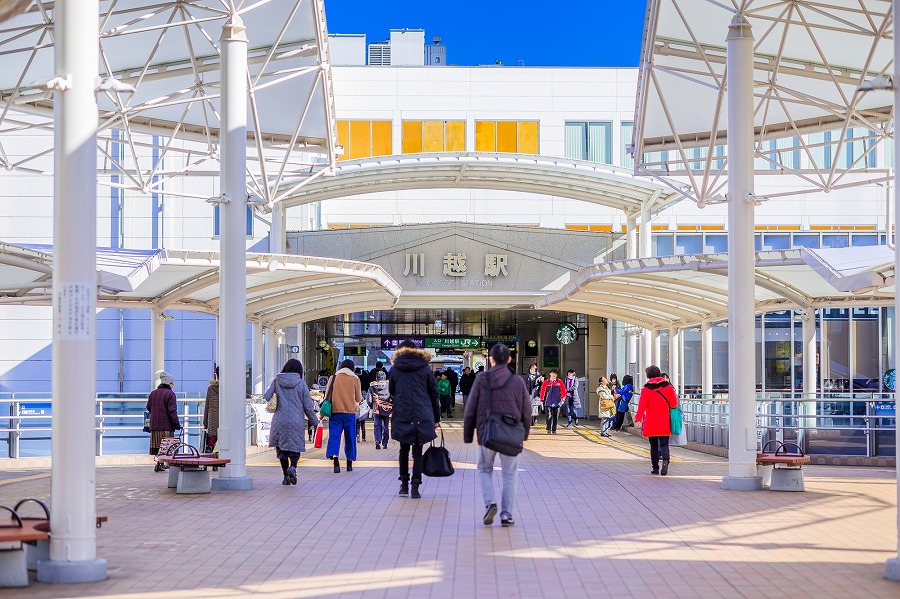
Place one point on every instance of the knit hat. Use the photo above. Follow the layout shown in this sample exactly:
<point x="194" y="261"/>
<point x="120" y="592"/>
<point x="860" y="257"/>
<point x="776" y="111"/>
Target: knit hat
<point x="165" y="378"/>
<point x="348" y="363"/>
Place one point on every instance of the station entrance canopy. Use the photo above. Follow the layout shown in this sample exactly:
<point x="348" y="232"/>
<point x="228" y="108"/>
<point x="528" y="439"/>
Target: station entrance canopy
<point x="160" y="97"/>
<point x="680" y="291"/>
<point x="281" y="290"/>
<point x="810" y="58"/>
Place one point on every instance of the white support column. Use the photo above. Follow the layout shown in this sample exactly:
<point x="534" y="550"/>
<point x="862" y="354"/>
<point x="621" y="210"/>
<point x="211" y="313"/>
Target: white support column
<point x="655" y="347"/>
<point x="706" y="364"/>
<point x="742" y="442"/>
<point x="73" y="545"/>
<point x="646" y="351"/>
<point x="631" y="236"/>
<point x="892" y="566"/>
<point x="271" y="366"/>
<point x="646" y="244"/>
<point x="278" y="232"/>
<point x="256" y="359"/>
<point x="157" y="345"/>
<point x="674" y="355"/>
<point x="233" y="270"/>
<point x="631" y="252"/>
<point x="809" y="373"/>
<point x="610" y="345"/>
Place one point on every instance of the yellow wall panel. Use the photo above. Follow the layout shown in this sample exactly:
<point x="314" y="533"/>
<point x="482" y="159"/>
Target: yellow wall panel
<point x="382" y="138"/>
<point x="343" y="135"/>
<point x="433" y="136"/>
<point x="506" y="136"/>
<point x="412" y="137"/>
<point x="528" y="137"/>
<point x="455" y="136"/>
<point x="360" y="139"/>
<point x="485" y="136"/>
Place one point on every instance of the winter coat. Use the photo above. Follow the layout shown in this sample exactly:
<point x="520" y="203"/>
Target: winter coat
<point x="625" y="393"/>
<point x="533" y="381"/>
<point x="443" y="387"/>
<point x="573" y="391"/>
<point x="288" y="429"/>
<point x="345" y="393"/>
<point x="465" y="383"/>
<point x="163" y="408"/>
<point x="509" y="397"/>
<point x="211" y="409"/>
<point x="652" y="409"/>
<point x="553" y="393"/>
<point x="604" y="393"/>
<point x="417" y="406"/>
<point x="453" y="379"/>
<point x="380" y="398"/>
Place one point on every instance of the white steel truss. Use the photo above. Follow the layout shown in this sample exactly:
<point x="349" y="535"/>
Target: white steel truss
<point x="810" y="118"/>
<point x="159" y="94"/>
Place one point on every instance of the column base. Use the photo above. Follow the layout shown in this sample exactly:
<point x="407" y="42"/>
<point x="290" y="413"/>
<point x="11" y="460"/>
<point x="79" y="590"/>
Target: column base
<point x="742" y="483"/>
<point x="62" y="572"/>
<point x="237" y="483"/>
<point x="892" y="569"/>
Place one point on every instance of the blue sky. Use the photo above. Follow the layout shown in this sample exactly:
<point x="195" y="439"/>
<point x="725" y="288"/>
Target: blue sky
<point x="574" y="33"/>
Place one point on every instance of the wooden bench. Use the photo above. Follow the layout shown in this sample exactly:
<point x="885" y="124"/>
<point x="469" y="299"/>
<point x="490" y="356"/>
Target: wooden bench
<point x="783" y="470"/>
<point x="188" y="469"/>
<point x="16" y="534"/>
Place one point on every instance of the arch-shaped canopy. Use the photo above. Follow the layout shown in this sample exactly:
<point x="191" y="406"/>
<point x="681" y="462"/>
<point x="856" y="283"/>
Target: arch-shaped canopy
<point x="686" y="290"/>
<point x="575" y="179"/>
<point x="281" y="290"/>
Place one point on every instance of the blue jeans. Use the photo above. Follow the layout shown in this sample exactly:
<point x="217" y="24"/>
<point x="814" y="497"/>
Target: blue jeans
<point x="381" y="430"/>
<point x="346" y="424"/>
<point x="509" y="479"/>
<point x="571" y="411"/>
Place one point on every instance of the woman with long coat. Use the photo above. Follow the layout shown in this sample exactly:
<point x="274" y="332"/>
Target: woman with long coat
<point x="607" y="413"/>
<point x="417" y="409"/>
<point x="657" y="398"/>
<point x="345" y="392"/>
<point x="211" y="412"/>
<point x="287" y="433"/>
<point x="163" y="407"/>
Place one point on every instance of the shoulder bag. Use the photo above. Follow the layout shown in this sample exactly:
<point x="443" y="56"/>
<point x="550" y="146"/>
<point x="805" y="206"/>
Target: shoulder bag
<point x="436" y="460"/>
<point x="676" y="418"/>
<point x="272" y="404"/>
<point x="503" y="434"/>
<point x="325" y="408"/>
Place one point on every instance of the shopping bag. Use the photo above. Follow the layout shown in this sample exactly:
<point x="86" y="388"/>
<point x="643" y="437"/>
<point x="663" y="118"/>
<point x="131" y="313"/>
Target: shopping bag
<point x="320" y="432"/>
<point x="679" y="439"/>
<point x="436" y="460"/>
<point x="146" y="421"/>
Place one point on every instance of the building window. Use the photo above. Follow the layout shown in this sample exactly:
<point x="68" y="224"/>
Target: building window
<point x="805" y="240"/>
<point x="715" y="244"/>
<point x="362" y="139"/>
<point x="869" y="239"/>
<point x="433" y="136"/>
<point x="589" y="141"/>
<point x="662" y="245"/>
<point x="689" y="243"/>
<point x="217" y="225"/>
<point x="834" y="240"/>
<point x="514" y="137"/>
<point x="781" y="241"/>
<point x="626" y="131"/>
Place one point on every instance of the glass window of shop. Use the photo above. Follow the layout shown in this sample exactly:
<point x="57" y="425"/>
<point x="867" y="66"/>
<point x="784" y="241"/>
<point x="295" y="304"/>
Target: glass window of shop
<point x="778" y="351"/>
<point x="865" y="340"/>
<point x="715" y="243"/>
<point x="589" y="141"/>
<point x="836" y="349"/>
<point x="691" y="377"/>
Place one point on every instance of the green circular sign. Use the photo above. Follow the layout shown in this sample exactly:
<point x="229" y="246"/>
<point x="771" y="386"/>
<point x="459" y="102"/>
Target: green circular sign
<point x="567" y="333"/>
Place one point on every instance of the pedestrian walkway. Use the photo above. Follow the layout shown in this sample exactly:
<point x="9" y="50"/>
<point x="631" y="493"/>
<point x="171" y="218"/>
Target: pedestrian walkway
<point x="590" y="522"/>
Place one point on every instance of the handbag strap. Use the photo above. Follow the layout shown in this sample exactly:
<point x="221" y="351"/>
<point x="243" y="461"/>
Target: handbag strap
<point x="329" y="388"/>
<point x="664" y="398"/>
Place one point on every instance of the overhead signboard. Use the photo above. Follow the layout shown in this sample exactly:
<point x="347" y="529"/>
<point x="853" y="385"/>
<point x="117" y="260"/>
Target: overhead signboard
<point x="449" y="342"/>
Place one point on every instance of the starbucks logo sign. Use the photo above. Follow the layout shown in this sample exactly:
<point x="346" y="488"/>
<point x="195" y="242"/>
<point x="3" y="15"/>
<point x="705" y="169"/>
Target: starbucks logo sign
<point x="567" y="333"/>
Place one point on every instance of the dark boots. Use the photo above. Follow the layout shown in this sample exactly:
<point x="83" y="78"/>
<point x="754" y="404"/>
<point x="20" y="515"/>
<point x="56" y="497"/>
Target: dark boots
<point x="415" y="489"/>
<point x="404" y="485"/>
<point x="349" y="466"/>
<point x="337" y="464"/>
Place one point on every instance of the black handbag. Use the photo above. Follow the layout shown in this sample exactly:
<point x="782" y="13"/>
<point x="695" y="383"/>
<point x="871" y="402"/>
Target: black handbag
<point x="436" y="460"/>
<point x="501" y="433"/>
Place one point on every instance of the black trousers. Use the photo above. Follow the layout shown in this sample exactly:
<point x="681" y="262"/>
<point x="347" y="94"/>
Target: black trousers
<point x="620" y="419"/>
<point x="446" y="405"/>
<point x="552" y="417"/>
<point x="417" y="462"/>
<point x="659" y="448"/>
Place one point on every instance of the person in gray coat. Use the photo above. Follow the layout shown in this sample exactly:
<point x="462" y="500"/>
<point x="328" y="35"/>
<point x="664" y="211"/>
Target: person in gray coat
<point x="287" y="433"/>
<point x="509" y="397"/>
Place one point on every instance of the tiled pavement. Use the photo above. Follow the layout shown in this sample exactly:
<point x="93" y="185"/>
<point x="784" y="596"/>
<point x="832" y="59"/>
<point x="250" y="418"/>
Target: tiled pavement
<point x="590" y="522"/>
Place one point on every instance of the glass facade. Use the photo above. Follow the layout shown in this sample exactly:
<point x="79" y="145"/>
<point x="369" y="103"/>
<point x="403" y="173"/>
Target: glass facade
<point x="363" y="139"/>
<point x="515" y="137"/>
<point x="589" y="141"/>
<point x="433" y="136"/>
<point x="701" y="242"/>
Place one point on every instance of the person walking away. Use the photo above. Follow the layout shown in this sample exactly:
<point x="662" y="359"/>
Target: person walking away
<point x="373" y="374"/>
<point x="509" y="398"/>
<point x="465" y="383"/>
<point x="553" y="391"/>
<point x="382" y="407"/>
<point x="417" y="410"/>
<point x="364" y="380"/>
<point x="288" y="428"/>
<point x="211" y="412"/>
<point x="163" y="407"/>
<point x="362" y="414"/>
<point x="607" y="406"/>
<point x="657" y="398"/>
<point x="453" y="377"/>
<point x="573" y="399"/>
<point x="345" y="393"/>
<point x="623" y="397"/>
<point x="443" y="386"/>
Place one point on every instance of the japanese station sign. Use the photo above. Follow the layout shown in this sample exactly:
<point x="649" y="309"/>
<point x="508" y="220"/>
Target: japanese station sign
<point x="457" y="342"/>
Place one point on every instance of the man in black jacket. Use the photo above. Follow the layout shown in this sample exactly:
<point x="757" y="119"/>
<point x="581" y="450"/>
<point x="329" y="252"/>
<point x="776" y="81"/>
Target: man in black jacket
<point x="465" y="383"/>
<point x="509" y="397"/>
<point x="417" y="409"/>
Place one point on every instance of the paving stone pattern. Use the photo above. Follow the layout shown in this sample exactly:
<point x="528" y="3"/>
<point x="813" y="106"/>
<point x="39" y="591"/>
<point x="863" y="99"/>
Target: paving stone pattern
<point x="591" y="521"/>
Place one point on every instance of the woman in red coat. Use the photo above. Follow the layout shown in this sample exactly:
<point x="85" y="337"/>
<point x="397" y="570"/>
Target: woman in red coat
<point x="657" y="398"/>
